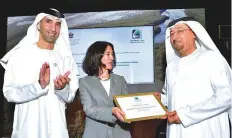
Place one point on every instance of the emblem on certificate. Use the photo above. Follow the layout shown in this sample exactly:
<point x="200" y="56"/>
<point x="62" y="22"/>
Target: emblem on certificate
<point x="140" y="106"/>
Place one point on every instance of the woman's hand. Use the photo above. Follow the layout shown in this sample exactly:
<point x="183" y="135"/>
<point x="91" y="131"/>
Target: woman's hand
<point x="118" y="113"/>
<point x="157" y="95"/>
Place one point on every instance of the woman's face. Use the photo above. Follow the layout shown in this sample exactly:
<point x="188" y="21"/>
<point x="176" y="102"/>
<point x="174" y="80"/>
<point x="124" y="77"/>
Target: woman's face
<point x="108" y="58"/>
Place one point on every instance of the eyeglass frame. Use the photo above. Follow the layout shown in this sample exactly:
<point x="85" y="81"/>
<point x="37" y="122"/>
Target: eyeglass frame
<point x="178" y="32"/>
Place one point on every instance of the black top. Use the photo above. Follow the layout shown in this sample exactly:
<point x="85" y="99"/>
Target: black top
<point x="54" y="12"/>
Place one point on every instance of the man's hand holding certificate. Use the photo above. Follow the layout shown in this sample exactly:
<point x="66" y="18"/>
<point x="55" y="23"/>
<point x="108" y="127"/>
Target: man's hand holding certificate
<point x="140" y="106"/>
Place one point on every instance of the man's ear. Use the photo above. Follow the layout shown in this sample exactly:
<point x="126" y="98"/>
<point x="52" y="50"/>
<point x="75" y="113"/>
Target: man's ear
<point x="38" y="26"/>
<point x="194" y="35"/>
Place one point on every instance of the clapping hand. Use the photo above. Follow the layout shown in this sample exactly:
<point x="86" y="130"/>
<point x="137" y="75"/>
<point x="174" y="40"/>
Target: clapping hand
<point x="61" y="81"/>
<point x="44" y="76"/>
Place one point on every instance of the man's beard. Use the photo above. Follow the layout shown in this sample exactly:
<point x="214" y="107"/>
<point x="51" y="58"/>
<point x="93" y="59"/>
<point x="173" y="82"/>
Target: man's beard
<point x="51" y="39"/>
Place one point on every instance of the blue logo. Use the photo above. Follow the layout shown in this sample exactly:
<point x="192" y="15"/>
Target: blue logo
<point x="136" y="34"/>
<point x="71" y="35"/>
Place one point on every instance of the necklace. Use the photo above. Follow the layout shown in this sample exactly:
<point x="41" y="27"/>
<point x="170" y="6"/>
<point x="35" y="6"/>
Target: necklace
<point x="104" y="79"/>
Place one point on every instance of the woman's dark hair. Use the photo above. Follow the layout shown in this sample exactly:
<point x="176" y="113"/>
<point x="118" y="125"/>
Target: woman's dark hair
<point x="92" y="60"/>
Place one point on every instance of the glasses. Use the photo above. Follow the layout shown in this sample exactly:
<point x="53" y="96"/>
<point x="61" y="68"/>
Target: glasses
<point x="178" y="32"/>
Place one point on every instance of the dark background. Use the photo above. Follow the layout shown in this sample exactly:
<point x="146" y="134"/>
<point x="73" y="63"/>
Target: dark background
<point x="218" y="12"/>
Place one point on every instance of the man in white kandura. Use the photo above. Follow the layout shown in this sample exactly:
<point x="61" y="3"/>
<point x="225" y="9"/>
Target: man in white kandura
<point x="198" y="84"/>
<point x="40" y="78"/>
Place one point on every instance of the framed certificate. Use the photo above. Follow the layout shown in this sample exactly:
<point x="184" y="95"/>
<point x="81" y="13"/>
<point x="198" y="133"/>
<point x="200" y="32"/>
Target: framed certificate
<point x="140" y="106"/>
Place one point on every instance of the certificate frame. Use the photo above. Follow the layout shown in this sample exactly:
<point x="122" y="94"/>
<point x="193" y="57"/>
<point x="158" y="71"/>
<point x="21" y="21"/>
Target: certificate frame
<point x="137" y="95"/>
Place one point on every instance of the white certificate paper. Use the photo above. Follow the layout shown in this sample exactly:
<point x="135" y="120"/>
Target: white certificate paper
<point x="140" y="107"/>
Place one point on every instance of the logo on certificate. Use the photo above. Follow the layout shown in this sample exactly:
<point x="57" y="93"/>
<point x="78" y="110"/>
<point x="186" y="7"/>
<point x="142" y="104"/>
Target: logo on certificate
<point x="136" y="34"/>
<point x="136" y="98"/>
